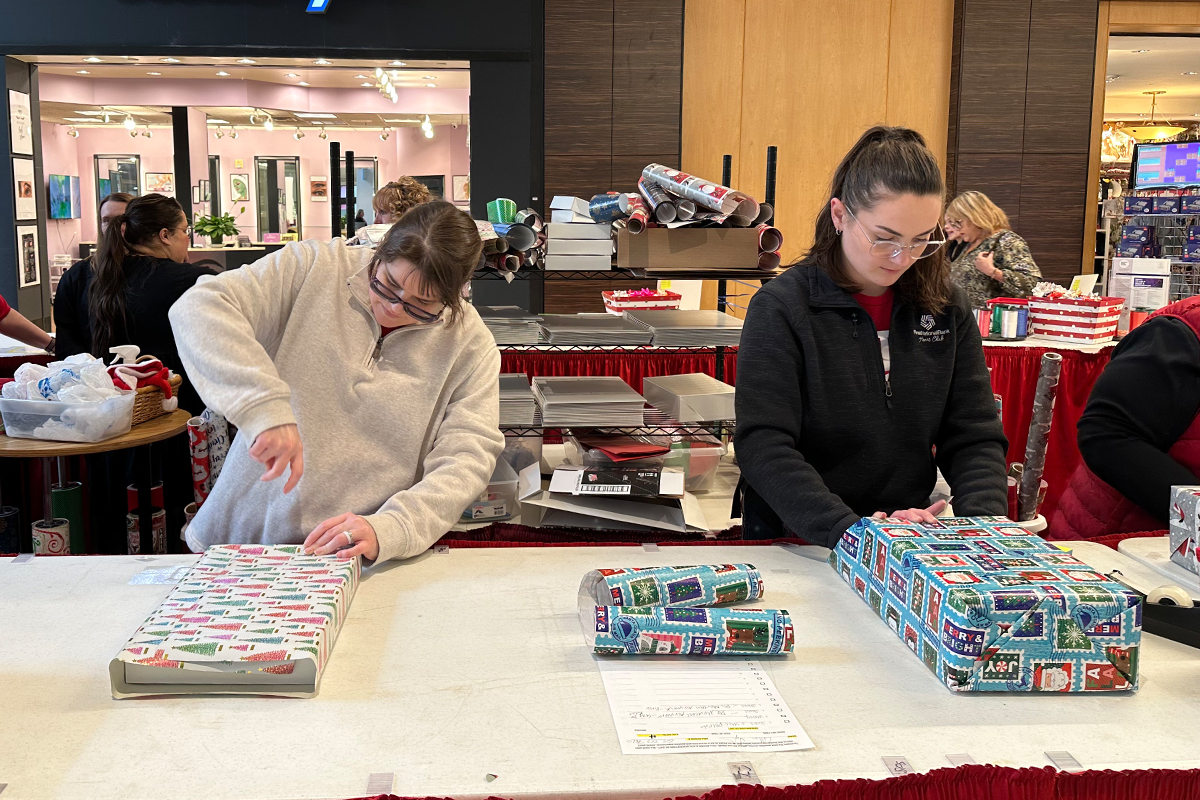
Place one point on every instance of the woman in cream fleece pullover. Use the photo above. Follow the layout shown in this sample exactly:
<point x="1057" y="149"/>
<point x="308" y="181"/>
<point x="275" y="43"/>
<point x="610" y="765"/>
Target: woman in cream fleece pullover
<point x="363" y="375"/>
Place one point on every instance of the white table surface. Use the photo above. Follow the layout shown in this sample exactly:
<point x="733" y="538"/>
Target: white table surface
<point x="453" y="666"/>
<point x="1050" y="344"/>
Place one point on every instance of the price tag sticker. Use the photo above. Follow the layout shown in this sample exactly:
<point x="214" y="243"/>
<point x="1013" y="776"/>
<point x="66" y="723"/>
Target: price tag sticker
<point x="24" y="558"/>
<point x="743" y="772"/>
<point x="380" y="782"/>
<point x="650" y="547"/>
<point x="961" y="759"/>
<point x="898" y="765"/>
<point x="1064" y="761"/>
<point x="441" y="549"/>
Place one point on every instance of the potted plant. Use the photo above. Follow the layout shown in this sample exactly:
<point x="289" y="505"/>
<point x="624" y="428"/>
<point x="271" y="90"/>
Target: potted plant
<point x="216" y="227"/>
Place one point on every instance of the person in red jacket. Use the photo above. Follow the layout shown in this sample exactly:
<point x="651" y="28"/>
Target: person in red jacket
<point x="1140" y="432"/>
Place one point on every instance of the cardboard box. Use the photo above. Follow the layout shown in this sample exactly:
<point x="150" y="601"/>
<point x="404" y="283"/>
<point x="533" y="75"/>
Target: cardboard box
<point x="1135" y="250"/>
<point x="1185" y="530"/>
<point x="618" y="480"/>
<point x="688" y="248"/>
<point x="579" y="247"/>
<point x="991" y="608"/>
<point x="576" y="205"/>
<point x="579" y="230"/>
<point x="1136" y="234"/>
<point x="1166" y="205"/>
<point x="1191" y="250"/>
<point x="1138" y="205"/>
<point x="1189" y="204"/>
<point x="578" y="263"/>
<point x="690" y="398"/>
<point x="1142" y="266"/>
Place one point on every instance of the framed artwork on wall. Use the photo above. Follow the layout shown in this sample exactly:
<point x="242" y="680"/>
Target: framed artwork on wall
<point x="160" y="183"/>
<point x="23" y="193"/>
<point x="195" y="195"/>
<point x="462" y="188"/>
<point x="27" y="256"/>
<point x="318" y="189"/>
<point x="239" y="188"/>
<point x="436" y="184"/>
<point x="20" y="123"/>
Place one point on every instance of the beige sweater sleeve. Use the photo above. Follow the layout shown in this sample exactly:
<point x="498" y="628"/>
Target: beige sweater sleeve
<point x="456" y="470"/>
<point x="228" y="328"/>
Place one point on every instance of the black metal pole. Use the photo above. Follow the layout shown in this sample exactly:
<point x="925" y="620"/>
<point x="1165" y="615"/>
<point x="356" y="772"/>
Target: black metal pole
<point x="769" y="194"/>
<point x="726" y="169"/>
<point x="335" y="189"/>
<point x="349" y="193"/>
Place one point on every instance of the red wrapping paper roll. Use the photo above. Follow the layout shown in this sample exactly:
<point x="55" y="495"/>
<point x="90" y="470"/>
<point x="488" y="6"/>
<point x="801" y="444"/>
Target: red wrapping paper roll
<point x="201" y="466"/>
<point x="769" y="261"/>
<point x="639" y="215"/>
<point x="769" y="238"/>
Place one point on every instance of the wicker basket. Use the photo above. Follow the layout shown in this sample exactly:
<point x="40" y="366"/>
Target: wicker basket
<point x="148" y="404"/>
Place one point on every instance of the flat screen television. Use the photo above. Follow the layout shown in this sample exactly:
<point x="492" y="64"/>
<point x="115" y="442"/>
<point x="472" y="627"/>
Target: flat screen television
<point x="1167" y="164"/>
<point x="64" y="197"/>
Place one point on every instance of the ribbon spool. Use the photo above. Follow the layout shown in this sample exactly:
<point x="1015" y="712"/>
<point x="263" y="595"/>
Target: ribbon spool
<point x="66" y="502"/>
<point x="10" y="530"/>
<point x="52" y="537"/>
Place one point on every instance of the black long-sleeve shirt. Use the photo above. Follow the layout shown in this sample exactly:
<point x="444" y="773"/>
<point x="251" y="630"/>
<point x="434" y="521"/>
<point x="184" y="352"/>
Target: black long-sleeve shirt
<point x="1142" y="403"/>
<point x="825" y="437"/>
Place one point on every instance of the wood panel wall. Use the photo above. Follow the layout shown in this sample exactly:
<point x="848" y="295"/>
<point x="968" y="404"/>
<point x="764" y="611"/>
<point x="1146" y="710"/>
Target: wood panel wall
<point x="808" y="77"/>
<point x="613" y="74"/>
<point x="1022" y="82"/>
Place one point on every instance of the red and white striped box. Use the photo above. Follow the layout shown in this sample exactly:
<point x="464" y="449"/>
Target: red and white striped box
<point x="1092" y="319"/>
<point x="617" y="302"/>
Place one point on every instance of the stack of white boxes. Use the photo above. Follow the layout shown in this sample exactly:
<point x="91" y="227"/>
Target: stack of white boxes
<point x="1185" y="530"/>
<point x="573" y="240"/>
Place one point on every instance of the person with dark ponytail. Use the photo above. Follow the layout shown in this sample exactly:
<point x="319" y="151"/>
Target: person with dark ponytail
<point x="121" y="295"/>
<point x="861" y="370"/>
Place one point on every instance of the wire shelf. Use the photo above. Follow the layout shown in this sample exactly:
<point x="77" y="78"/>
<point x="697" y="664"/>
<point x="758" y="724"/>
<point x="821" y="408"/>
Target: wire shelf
<point x="1185" y="280"/>
<point x="654" y="423"/>
<point x="617" y="349"/>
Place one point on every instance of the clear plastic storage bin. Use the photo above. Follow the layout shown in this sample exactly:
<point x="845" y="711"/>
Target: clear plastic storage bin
<point x="499" y="500"/>
<point x="578" y="455"/>
<point x="698" y="456"/>
<point x="68" y="422"/>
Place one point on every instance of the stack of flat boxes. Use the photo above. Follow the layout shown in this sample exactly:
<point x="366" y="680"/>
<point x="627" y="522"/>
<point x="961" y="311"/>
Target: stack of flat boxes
<point x="575" y="242"/>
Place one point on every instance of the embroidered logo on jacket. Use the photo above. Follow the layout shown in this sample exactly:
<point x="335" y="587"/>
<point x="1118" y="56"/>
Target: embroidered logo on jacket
<point x="929" y="331"/>
<point x="927" y="322"/>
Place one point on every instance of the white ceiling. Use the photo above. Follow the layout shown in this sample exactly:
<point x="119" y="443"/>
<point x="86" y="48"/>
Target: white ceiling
<point x="1161" y="68"/>
<point x="89" y="116"/>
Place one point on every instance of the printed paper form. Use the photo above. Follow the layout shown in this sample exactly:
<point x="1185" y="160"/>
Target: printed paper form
<point x="676" y="705"/>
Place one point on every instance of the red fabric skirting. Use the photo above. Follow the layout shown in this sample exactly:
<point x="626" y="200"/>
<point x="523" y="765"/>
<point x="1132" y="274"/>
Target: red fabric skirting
<point x="1014" y="378"/>
<point x="630" y="366"/>
<point x="976" y="782"/>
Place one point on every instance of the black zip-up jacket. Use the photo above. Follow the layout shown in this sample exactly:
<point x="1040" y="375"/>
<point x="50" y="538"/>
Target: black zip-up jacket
<point x="823" y="438"/>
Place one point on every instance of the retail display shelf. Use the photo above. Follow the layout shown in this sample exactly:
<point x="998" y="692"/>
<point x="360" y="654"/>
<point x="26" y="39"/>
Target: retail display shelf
<point x="654" y="423"/>
<point x="615" y="349"/>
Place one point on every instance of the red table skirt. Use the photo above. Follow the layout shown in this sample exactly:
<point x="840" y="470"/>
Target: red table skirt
<point x="979" y="782"/>
<point x="1014" y="378"/>
<point x="631" y="366"/>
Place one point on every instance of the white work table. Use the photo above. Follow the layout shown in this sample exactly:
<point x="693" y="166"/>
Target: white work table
<point x="453" y="666"/>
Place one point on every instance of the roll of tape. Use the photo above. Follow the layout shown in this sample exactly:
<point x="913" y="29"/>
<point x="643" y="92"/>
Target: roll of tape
<point x="1170" y="595"/>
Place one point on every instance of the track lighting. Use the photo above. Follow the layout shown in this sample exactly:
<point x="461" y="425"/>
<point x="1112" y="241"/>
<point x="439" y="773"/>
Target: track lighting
<point x="426" y="125"/>
<point x="130" y="124"/>
<point x="269" y="123"/>
<point x="133" y="134"/>
<point x="298" y="135"/>
<point x="72" y="132"/>
<point x="233" y="134"/>
<point x="149" y="134"/>
<point x="219" y="133"/>
<point x="429" y="133"/>
<point x="383" y="134"/>
<point x="322" y="135"/>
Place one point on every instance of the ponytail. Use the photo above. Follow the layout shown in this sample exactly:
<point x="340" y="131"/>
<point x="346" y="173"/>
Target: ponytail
<point x="884" y="162"/>
<point x="144" y="217"/>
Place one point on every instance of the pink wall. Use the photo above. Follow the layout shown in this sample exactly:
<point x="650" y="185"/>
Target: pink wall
<point x="406" y="152"/>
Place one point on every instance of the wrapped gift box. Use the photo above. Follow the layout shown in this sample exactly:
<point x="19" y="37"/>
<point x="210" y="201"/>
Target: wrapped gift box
<point x="991" y="608"/>
<point x="619" y="301"/>
<point x="1090" y="319"/>
<point x="1185" y="530"/>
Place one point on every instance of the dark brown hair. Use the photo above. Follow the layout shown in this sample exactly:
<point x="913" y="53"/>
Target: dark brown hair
<point x="144" y="217"/>
<point x="884" y="162"/>
<point x="397" y="197"/>
<point x="443" y="245"/>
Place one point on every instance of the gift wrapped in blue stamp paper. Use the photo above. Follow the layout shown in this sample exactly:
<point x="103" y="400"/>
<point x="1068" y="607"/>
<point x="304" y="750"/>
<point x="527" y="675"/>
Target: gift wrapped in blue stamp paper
<point x="709" y="585"/>
<point x="664" y="630"/>
<point x="991" y="608"/>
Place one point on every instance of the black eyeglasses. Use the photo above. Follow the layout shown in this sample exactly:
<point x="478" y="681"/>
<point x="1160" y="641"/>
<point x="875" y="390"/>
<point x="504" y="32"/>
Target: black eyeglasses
<point x="416" y="312"/>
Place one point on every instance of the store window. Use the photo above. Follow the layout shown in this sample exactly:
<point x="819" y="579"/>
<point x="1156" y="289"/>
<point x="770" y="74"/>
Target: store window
<point x="117" y="173"/>
<point x="213" y="190"/>
<point x="277" y="190"/>
<point x="366" y="184"/>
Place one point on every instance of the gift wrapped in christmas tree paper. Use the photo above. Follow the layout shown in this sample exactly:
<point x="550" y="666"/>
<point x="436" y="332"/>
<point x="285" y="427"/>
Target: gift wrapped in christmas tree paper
<point x="991" y="608"/>
<point x="246" y="619"/>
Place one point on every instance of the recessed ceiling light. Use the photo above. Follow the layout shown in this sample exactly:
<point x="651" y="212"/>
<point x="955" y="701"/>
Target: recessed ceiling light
<point x="79" y="119"/>
<point x="83" y="72"/>
<point x="397" y="64"/>
<point x="431" y="85"/>
<point x="223" y="74"/>
<point x="1139" y="51"/>
<point x="320" y="62"/>
<point x="315" y="115"/>
<point x="291" y="75"/>
<point x="91" y="113"/>
<point x="1187" y="73"/>
<point x="170" y="60"/>
<point x="360" y="77"/>
<point x="366" y="84"/>
<point x="154" y="73"/>
<point x="316" y="122"/>
<point x="404" y="121"/>
<point x="212" y="121"/>
<point x="302" y="83"/>
<point x="1110" y="78"/>
<point x="246" y="61"/>
<point x="93" y="60"/>
<point x="428" y="77"/>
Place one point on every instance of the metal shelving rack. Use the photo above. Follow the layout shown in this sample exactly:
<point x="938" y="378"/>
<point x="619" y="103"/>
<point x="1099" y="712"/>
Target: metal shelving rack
<point x="655" y="423"/>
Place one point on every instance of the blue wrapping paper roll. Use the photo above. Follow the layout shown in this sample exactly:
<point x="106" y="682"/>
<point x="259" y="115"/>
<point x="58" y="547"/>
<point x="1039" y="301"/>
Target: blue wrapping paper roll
<point x="656" y="630"/>
<point x="706" y="585"/>
<point x="607" y="207"/>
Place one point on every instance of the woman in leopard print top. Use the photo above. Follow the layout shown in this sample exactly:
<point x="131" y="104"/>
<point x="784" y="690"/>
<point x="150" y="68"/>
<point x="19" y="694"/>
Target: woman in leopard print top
<point x="994" y="262"/>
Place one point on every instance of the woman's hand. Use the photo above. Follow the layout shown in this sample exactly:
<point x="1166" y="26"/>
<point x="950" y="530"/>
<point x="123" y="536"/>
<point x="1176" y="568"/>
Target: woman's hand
<point x="276" y="448"/>
<point x="921" y="515"/>
<point x="348" y="535"/>
<point x="986" y="263"/>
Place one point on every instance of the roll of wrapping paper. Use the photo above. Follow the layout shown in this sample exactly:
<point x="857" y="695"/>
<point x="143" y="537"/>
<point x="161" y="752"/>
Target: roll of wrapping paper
<point x="156" y="491"/>
<point x="608" y="207"/>
<point x="639" y="215"/>
<point x="218" y="445"/>
<point x="66" y="502"/>
<point x="683" y="630"/>
<point x="52" y="537"/>
<point x="769" y="238"/>
<point x="189" y="513"/>
<point x="531" y="218"/>
<point x="201" y="464"/>
<point x="702" y="585"/>
<point x="492" y="241"/>
<point x="10" y="530"/>
<point x="659" y="201"/>
<point x="769" y="261"/>
<point x="502" y="210"/>
<point x="766" y="212"/>
<point x="158" y="530"/>
<point x="507" y="262"/>
<point x="705" y="193"/>
<point x="684" y="209"/>
<point x="519" y="237"/>
<point x="1037" y="439"/>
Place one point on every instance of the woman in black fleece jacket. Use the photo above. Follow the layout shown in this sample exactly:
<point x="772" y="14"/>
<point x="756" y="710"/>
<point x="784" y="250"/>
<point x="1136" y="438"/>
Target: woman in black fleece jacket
<point x="861" y="362"/>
